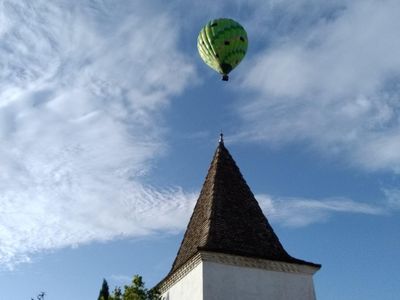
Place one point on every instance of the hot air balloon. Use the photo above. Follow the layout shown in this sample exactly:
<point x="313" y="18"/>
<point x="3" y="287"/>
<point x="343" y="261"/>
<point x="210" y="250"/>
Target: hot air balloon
<point x="222" y="44"/>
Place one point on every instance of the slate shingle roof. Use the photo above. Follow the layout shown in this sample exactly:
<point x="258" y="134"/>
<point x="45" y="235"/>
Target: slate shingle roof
<point x="227" y="218"/>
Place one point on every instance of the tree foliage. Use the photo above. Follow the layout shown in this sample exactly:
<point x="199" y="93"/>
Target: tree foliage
<point x="104" y="292"/>
<point x="40" y="296"/>
<point x="117" y="294"/>
<point x="134" y="291"/>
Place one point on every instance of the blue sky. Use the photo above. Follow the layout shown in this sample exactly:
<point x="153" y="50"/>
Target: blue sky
<point x="109" y="120"/>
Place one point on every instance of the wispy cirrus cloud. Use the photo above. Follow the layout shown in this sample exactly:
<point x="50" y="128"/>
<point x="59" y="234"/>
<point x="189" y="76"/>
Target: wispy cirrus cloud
<point x="82" y="88"/>
<point x="393" y="197"/>
<point x="333" y="84"/>
<point x="300" y="212"/>
<point x="54" y="218"/>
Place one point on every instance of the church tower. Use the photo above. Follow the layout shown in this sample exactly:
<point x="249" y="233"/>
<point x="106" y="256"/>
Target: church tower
<point x="230" y="251"/>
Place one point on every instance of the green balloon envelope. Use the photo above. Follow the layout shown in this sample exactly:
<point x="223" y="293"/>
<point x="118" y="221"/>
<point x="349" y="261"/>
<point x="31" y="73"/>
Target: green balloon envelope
<point x="222" y="44"/>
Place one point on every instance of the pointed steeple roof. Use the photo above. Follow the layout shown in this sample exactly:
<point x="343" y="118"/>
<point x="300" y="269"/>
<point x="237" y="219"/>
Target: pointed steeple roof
<point x="227" y="218"/>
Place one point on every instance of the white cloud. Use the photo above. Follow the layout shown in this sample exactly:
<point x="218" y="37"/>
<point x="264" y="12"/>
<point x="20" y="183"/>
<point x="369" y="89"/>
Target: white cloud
<point x="334" y="84"/>
<point x="82" y="88"/>
<point x="49" y="218"/>
<point x="393" y="197"/>
<point x="299" y="212"/>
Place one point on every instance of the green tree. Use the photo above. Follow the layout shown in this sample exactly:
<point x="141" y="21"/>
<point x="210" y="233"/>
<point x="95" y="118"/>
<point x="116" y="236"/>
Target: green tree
<point x="104" y="292"/>
<point x="117" y="294"/>
<point x="153" y="294"/>
<point x="40" y="296"/>
<point x="135" y="291"/>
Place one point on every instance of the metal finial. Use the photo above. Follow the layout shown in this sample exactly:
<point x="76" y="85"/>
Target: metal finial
<point x="221" y="138"/>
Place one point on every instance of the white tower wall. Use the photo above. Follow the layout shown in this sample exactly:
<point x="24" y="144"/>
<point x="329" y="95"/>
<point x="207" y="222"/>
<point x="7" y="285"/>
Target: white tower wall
<point x="241" y="283"/>
<point x="214" y="276"/>
<point x="190" y="287"/>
